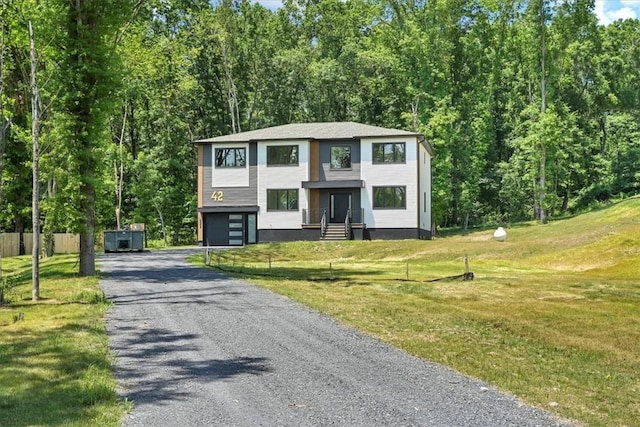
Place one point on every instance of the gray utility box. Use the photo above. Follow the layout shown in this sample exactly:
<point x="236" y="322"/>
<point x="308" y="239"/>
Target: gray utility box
<point x="123" y="240"/>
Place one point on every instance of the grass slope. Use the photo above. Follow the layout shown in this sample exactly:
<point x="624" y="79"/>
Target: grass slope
<point x="553" y="314"/>
<point x="54" y="363"/>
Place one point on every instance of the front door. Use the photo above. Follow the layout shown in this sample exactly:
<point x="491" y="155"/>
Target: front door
<point x="340" y="204"/>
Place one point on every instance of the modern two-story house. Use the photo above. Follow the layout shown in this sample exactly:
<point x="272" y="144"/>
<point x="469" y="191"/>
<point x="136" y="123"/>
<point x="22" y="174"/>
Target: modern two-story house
<point x="312" y="181"/>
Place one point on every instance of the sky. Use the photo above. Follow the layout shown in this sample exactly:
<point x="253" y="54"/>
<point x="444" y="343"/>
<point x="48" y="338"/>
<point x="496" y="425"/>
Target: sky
<point x="607" y="11"/>
<point x="612" y="10"/>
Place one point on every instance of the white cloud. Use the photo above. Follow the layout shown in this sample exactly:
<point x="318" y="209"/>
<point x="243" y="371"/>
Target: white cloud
<point x="608" y="11"/>
<point x="624" y="13"/>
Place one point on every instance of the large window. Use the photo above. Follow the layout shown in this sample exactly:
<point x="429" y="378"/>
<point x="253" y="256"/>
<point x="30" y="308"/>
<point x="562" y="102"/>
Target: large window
<point x="389" y="152"/>
<point x="282" y="200"/>
<point x="231" y="157"/>
<point x="282" y="155"/>
<point x="389" y="197"/>
<point x="340" y="157"/>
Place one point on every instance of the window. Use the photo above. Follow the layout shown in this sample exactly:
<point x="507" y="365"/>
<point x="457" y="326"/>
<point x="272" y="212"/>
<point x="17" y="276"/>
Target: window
<point x="231" y="157"/>
<point x="282" y="155"/>
<point x="389" y="197"/>
<point x="389" y="152"/>
<point x="340" y="157"/>
<point x="282" y="200"/>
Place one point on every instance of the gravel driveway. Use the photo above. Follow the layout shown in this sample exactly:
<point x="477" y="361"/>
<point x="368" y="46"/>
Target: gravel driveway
<point x="196" y="348"/>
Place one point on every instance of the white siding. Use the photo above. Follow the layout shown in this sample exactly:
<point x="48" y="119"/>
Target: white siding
<point x="425" y="188"/>
<point x="230" y="177"/>
<point x="282" y="177"/>
<point x="377" y="175"/>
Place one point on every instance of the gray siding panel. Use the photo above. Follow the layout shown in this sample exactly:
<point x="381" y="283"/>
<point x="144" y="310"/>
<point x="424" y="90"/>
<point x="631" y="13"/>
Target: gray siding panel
<point x="357" y="234"/>
<point x="424" y="234"/>
<point x="253" y="154"/>
<point x="207" y="152"/>
<point x="327" y="174"/>
<point x="267" y="235"/>
<point x="231" y="196"/>
<point x="392" y="233"/>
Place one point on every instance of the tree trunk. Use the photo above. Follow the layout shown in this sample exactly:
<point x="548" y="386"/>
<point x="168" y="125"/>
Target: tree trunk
<point x="556" y="185"/>
<point x="4" y="121"/>
<point x="565" y="201"/>
<point x="543" y="109"/>
<point x="19" y="227"/>
<point x="602" y="122"/>
<point x="87" y="236"/>
<point x="83" y="60"/>
<point x="119" y="173"/>
<point x="50" y="221"/>
<point x="164" y="229"/>
<point x="415" y="117"/>
<point x="232" y="91"/>
<point x="543" y="184"/>
<point x="466" y="222"/>
<point x="35" y="206"/>
<point x="176" y="236"/>
<point x="536" y="200"/>
<point x="133" y="136"/>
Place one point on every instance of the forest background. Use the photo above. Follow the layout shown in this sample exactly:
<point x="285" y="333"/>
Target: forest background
<point x="532" y="107"/>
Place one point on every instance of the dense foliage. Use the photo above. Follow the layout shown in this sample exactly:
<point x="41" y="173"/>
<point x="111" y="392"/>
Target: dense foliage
<point x="532" y="107"/>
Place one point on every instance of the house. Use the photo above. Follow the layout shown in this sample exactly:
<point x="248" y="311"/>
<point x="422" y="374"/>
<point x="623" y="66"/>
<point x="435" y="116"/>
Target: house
<point x="312" y="181"/>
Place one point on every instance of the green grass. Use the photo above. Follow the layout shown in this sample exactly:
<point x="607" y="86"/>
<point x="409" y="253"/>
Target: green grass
<point x="553" y="314"/>
<point x="54" y="364"/>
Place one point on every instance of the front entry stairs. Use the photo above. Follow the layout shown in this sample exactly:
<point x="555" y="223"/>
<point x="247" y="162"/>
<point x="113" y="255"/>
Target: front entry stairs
<point x="334" y="231"/>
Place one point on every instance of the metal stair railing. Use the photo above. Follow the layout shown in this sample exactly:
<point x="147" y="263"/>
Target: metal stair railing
<point x="323" y="224"/>
<point x="347" y="226"/>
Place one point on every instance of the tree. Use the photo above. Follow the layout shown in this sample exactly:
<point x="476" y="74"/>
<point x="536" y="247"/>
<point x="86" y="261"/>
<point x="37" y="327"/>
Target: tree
<point x="91" y="29"/>
<point x="35" y="133"/>
<point x="5" y="120"/>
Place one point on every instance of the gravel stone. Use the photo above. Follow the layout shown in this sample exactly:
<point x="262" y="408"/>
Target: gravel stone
<point x="194" y="347"/>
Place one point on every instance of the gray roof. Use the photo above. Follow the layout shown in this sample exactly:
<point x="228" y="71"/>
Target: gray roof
<point x="308" y="131"/>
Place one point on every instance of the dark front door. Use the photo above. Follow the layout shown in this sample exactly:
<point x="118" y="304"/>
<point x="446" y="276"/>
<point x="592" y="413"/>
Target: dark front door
<point x="340" y="203"/>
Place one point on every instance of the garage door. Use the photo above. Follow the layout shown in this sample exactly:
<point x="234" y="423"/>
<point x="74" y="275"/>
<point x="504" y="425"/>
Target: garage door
<point x="224" y="229"/>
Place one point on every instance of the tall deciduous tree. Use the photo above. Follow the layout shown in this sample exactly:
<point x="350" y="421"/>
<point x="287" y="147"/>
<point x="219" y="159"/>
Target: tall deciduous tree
<point x="35" y="159"/>
<point x="5" y="120"/>
<point x="91" y="28"/>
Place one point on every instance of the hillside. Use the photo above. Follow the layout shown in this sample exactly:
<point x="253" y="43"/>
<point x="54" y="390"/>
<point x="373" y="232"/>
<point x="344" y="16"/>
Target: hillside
<point x="606" y="240"/>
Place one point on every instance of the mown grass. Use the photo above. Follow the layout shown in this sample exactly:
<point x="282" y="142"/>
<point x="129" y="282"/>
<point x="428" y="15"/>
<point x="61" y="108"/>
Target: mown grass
<point x="54" y="363"/>
<point x="553" y="314"/>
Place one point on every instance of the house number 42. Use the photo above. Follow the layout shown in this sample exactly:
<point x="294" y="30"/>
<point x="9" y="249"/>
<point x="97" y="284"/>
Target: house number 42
<point x="217" y="196"/>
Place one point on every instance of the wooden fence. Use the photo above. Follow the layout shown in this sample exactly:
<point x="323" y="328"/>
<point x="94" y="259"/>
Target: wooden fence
<point x="63" y="243"/>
